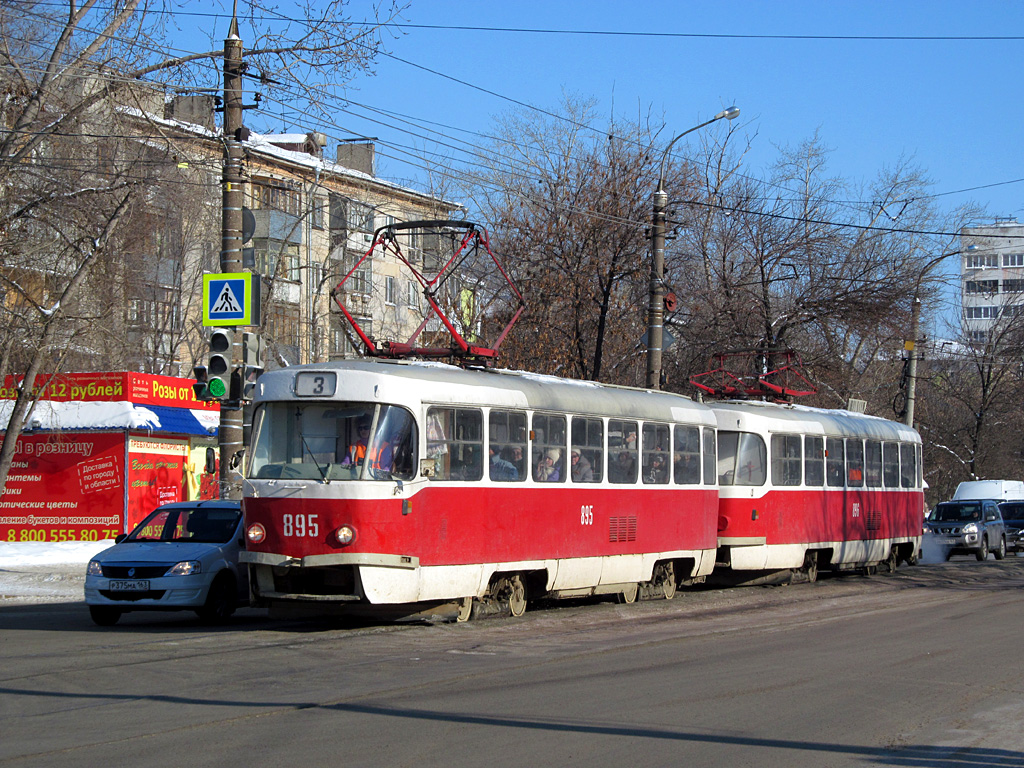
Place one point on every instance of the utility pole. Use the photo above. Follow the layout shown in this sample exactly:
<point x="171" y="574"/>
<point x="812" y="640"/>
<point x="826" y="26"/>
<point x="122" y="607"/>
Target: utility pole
<point x="915" y="319"/>
<point x="656" y="306"/>
<point x="230" y="434"/>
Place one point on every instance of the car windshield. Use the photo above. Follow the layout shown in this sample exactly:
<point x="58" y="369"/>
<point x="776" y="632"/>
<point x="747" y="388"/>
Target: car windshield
<point x="201" y="524"/>
<point x="1013" y="512"/>
<point x="956" y="513"/>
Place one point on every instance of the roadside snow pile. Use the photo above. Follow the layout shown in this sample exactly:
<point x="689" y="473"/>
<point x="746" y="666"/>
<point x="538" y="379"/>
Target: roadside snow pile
<point x="34" y="572"/>
<point x="14" y="554"/>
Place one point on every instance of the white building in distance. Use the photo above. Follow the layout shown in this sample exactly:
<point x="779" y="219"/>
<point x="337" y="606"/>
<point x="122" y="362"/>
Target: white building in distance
<point x="992" y="277"/>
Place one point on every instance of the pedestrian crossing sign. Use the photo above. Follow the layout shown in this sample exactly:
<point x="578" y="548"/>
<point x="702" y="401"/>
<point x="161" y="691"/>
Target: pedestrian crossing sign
<point x="231" y="299"/>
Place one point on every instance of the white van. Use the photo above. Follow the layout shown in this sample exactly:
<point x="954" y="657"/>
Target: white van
<point x="999" y="490"/>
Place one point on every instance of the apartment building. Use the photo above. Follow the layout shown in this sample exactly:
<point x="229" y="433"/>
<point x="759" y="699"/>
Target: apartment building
<point x="992" y="277"/>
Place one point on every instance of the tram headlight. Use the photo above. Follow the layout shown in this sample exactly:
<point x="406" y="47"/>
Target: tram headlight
<point x="345" y="535"/>
<point x="255" y="533"/>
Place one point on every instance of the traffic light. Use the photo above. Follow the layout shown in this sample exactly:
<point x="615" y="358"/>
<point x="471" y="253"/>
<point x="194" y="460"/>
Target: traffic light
<point x="219" y="368"/>
<point x="252" y="363"/>
<point x="202" y="386"/>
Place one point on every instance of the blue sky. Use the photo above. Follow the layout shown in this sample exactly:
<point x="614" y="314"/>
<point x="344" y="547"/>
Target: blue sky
<point x="953" y="106"/>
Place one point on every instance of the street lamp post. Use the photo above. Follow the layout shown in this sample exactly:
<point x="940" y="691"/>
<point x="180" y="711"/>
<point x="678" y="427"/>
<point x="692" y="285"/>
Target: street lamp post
<point x="656" y="309"/>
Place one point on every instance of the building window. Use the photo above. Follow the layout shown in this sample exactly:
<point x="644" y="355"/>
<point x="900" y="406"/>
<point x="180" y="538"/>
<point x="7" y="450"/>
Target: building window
<point x="981" y="313"/>
<point x="413" y="295"/>
<point x="389" y="291"/>
<point x="276" y="259"/>
<point x="982" y="286"/>
<point x="981" y="260"/>
<point x="360" y="217"/>
<point x="317" y="213"/>
<point x="1013" y="286"/>
<point x="275" y="195"/>
<point x="1013" y="259"/>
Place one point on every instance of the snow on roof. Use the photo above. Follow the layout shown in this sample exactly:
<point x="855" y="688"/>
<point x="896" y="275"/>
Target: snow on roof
<point x="56" y="415"/>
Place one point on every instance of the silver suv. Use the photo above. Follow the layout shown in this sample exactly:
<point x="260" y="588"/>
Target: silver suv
<point x="968" y="527"/>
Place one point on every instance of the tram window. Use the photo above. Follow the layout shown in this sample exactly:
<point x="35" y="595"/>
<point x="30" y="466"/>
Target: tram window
<point x="854" y="463"/>
<point x="920" y="466"/>
<point x="835" y="462"/>
<point x="655" y="454"/>
<point x="787" y="462"/>
<point x="891" y="464"/>
<point x="814" y="461"/>
<point x="873" y="463"/>
<point x="455" y="441"/>
<point x="622" y="451"/>
<point x="548" y="448"/>
<point x="742" y="459"/>
<point x="710" y="457"/>
<point x="908" y="465"/>
<point x="507" y="447"/>
<point x="588" y="445"/>
<point x="686" y="456"/>
<point x="316" y="441"/>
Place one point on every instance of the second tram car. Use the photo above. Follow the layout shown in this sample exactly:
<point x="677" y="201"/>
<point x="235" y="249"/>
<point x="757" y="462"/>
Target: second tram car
<point x="806" y="488"/>
<point x="401" y="482"/>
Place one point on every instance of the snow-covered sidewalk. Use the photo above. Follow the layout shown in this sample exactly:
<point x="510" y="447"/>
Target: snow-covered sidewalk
<point x="50" y="572"/>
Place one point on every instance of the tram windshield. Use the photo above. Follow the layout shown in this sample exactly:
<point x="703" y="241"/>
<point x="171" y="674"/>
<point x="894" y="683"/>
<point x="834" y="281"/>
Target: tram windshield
<point x="333" y="441"/>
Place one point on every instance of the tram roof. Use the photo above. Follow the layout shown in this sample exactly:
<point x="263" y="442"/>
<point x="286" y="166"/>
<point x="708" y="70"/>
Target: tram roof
<point x="400" y="381"/>
<point x="783" y="417"/>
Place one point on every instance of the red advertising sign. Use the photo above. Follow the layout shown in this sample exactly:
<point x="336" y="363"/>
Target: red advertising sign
<point x="140" y="388"/>
<point x="64" y="487"/>
<point x="156" y="475"/>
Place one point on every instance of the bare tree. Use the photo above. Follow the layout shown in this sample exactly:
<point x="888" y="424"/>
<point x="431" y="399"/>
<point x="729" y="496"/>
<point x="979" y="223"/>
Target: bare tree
<point x="72" y="173"/>
<point x="569" y="209"/>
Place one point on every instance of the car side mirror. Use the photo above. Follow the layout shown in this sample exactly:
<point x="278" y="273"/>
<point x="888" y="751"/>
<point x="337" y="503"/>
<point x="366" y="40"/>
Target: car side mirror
<point x="120" y="537"/>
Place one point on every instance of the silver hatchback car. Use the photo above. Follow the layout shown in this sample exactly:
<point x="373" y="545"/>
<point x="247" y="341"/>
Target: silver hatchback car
<point x="183" y="556"/>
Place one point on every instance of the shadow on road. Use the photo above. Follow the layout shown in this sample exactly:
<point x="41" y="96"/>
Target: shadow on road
<point x="925" y="756"/>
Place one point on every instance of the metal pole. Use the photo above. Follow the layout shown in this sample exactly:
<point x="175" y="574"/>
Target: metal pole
<point x="656" y="307"/>
<point x="915" y="318"/>
<point x="230" y="434"/>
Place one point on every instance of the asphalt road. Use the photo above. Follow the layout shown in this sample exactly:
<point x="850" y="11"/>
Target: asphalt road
<point x="915" y="669"/>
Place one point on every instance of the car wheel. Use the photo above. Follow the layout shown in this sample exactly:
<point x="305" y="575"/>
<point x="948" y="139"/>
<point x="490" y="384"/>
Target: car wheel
<point x="982" y="553"/>
<point x="104" y="615"/>
<point x="1001" y="552"/>
<point x="221" y="600"/>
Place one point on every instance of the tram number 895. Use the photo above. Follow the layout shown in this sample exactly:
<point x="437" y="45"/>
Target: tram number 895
<point x="587" y="514"/>
<point x="300" y="525"/>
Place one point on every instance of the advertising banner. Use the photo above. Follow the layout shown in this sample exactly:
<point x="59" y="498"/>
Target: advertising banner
<point x="156" y="475"/>
<point x="65" y="487"/>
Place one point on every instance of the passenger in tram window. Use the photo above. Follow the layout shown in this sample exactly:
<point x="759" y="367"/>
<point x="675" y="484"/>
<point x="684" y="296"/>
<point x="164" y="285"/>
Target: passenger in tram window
<point x="687" y="468"/>
<point x="517" y="459"/>
<point x="582" y="472"/>
<point x="502" y="470"/>
<point x="357" y="451"/>
<point x="547" y="468"/>
<point x="624" y="468"/>
<point x="658" y="470"/>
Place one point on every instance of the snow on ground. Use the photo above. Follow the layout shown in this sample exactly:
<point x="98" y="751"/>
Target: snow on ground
<point x="51" y="572"/>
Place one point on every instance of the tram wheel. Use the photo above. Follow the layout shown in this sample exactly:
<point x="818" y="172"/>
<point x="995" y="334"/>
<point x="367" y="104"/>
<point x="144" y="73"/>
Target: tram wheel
<point x="665" y="574"/>
<point x="810" y="568"/>
<point x="465" y="609"/>
<point x="629" y="594"/>
<point x="517" y="597"/>
<point x="889" y="564"/>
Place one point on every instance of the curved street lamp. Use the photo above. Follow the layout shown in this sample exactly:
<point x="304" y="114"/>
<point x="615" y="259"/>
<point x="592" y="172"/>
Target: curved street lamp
<point x="656" y="308"/>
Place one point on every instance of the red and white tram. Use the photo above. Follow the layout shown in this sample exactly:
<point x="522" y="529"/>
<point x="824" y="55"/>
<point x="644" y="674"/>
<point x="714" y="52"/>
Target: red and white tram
<point x="805" y="488"/>
<point x="394" y="482"/>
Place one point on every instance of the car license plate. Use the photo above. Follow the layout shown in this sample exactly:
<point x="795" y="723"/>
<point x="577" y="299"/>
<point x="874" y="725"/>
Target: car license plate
<point x="135" y="585"/>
